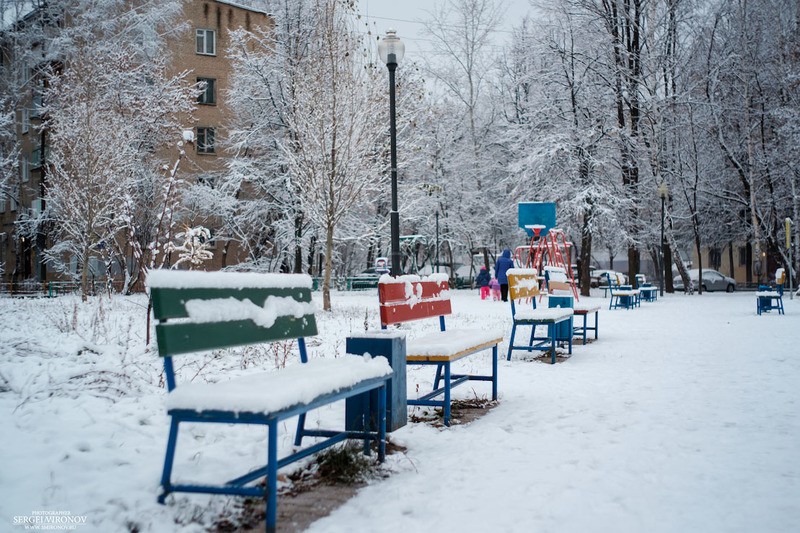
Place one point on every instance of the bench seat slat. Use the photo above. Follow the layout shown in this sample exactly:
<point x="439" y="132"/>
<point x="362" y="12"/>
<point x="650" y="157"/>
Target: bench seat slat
<point x="450" y="345"/>
<point x="551" y="314"/>
<point x="272" y="392"/>
<point x="768" y="294"/>
<point x="180" y="338"/>
<point x="395" y="314"/>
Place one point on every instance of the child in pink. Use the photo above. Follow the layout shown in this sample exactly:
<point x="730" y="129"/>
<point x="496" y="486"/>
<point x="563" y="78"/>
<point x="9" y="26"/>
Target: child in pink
<point x="494" y="285"/>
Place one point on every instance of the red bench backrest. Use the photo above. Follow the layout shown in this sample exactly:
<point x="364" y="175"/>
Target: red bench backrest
<point x="412" y="300"/>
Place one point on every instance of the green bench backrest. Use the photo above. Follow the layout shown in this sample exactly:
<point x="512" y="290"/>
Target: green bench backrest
<point x="233" y="325"/>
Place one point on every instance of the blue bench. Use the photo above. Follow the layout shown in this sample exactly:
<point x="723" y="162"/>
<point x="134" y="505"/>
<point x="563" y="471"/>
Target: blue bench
<point x="523" y="283"/>
<point x="361" y="283"/>
<point x="768" y="298"/>
<point x="647" y="292"/>
<point x="621" y="295"/>
<point x="204" y="311"/>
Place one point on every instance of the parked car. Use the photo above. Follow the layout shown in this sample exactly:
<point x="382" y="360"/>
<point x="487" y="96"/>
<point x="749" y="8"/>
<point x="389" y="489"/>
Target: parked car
<point x="598" y="277"/>
<point x="712" y="280"/>
<point x="369" y="272"/>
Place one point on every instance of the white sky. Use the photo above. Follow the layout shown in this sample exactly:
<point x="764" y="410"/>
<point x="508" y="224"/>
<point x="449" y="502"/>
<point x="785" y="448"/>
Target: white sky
<point x="406" y="17"/>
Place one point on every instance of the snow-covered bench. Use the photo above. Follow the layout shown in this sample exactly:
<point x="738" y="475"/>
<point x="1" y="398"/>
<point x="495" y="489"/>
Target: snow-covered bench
<point x="523" y="283"/>
<point x="203" y="311"/>
<point x="409" y="298"/>
<point x="621" y="295"/>
<point x="768" y="298"/>
<point x="647" y="291"/>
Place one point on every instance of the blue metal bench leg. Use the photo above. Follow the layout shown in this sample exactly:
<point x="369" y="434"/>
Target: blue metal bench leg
<point x="301" y="426"/>
<point x="447" y="394"/>
<point x="382" y="392"/>
<point x="551" y="332"/>
<point x="168" y="460"/>
<point x="272" y="477"/>
<point x="596" y="327"/>
<point x="494" y="372"/>
<point x="571" y="325"/>
<point x="438" y="376"/>
<point x="511" y="342"/>
<point x="366" y="423"/>
<point x="585" y="318"/>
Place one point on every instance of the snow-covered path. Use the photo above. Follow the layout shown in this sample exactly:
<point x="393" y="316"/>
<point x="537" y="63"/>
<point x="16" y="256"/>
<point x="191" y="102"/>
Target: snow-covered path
<point x="683" y="416"/>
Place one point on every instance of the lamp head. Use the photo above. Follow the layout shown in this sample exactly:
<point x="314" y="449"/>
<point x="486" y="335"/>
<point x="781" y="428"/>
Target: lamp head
<point x="391" y="49"/>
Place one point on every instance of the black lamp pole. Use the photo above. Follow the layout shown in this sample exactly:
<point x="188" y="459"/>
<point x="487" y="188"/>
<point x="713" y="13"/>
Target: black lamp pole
<point x="437" y="242"/>
<point x="394" y="215"/>
<point x="662" y="192"/>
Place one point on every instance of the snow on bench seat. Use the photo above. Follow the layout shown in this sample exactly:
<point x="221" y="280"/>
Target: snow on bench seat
<point x="584" y="308"/>
<point x="450" y="344"/>
<point x="544" y="315"/>
<point x="768" y="294"/>
<point x="273" y="392"/>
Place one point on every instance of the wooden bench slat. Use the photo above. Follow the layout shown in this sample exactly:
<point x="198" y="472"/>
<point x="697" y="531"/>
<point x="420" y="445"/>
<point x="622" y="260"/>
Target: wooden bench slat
<point x="389" y="293"/>
<point x="455" y="356"/>
<point x="181" y="338"/>
<point x="395" y="314"/>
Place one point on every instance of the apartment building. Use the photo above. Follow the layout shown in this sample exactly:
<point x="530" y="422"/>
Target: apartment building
<point x="200" y="49"/>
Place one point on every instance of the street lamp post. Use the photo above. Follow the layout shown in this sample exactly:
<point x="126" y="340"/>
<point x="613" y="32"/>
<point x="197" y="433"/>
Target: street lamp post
<point x="437" y="242"/>
<point x="663" y="192"/>
<point x="391" y="50"/>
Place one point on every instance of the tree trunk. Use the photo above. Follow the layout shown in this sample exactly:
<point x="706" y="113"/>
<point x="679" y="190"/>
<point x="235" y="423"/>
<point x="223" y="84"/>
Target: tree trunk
<point x="326" y="285"/>
<point x="85" y="275"/>
<point x="298" y="249"/>
<point x="669" y="285"/>
<point x="586" y="254"/>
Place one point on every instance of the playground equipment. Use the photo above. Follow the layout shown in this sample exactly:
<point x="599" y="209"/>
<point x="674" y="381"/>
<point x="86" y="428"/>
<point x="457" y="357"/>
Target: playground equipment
<point x="548" y="245"/>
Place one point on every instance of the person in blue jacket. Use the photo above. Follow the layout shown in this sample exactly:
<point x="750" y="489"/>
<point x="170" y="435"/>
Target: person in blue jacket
<point x="504" y="262"/>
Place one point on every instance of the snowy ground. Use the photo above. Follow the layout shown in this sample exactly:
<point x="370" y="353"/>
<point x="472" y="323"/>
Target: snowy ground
<point x="683" y="416"/>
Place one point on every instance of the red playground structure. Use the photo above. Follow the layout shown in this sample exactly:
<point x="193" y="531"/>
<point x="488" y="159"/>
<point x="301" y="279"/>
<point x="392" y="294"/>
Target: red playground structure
<point x="548" y="246"/>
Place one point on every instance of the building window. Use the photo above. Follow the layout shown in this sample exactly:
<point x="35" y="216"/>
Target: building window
<point x="206" y="44"/>
<point x="38" y="104"/>
<point x="742" y="256"/>
<point x="209" y="88"/>
<point x="14" y="196"/>
<point x="25" y="120"/>
<point x="37" y="156"/>
<point x="205" y="140"/>
<point x="24" y="168"/>
<point x="206" y="180"/>
<point x="211" y="242"/>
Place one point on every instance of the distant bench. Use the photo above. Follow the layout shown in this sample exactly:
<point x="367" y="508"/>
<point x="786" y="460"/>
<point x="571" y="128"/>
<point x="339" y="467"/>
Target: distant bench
<point x="410" y="298"/>
<point x="361" y="283"/>
<point x="203" y="311"/>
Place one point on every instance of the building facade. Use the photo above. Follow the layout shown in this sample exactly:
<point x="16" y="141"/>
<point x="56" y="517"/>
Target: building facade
<point x="200" y="49"/>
